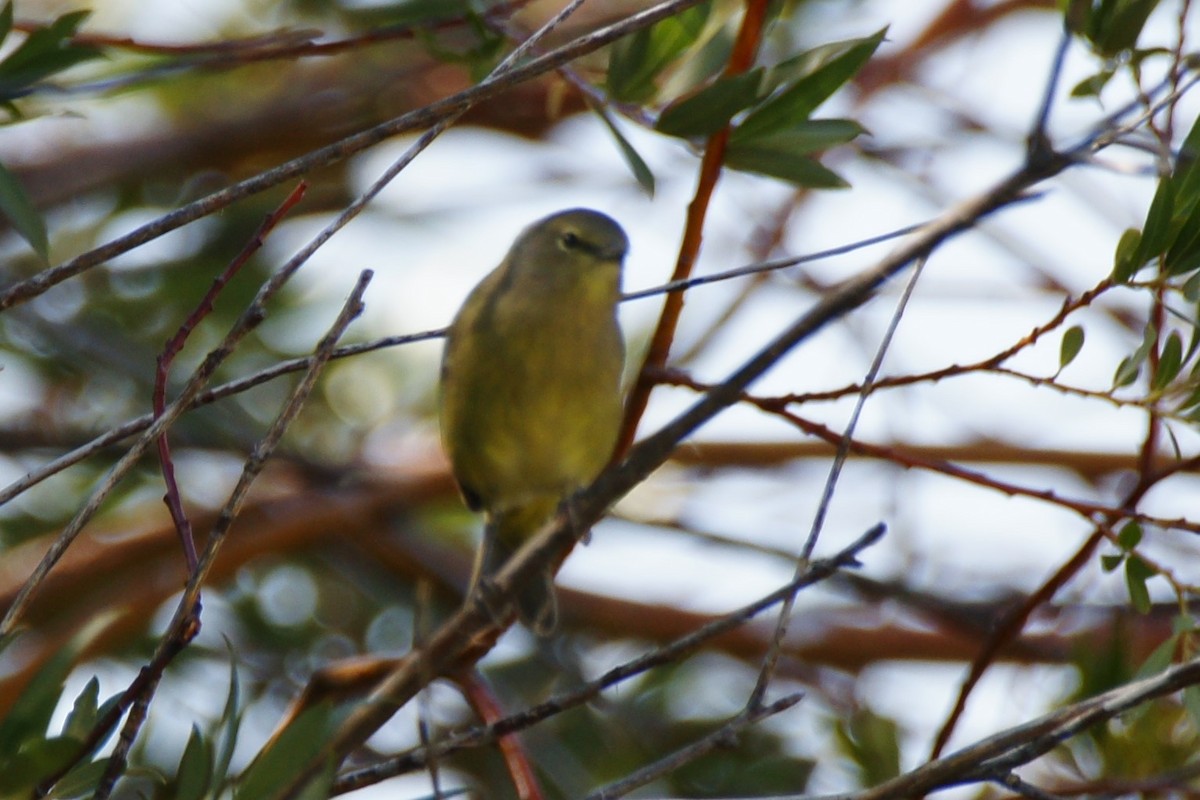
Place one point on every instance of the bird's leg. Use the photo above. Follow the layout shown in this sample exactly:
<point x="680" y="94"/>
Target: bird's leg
<point x="570" y="508"/>
<point x="482" y="589"/>
<point x="486" y="595"/>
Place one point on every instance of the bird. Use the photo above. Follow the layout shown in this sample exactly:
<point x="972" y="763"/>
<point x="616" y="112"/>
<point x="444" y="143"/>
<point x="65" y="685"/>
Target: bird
<point x="530" y="401"/>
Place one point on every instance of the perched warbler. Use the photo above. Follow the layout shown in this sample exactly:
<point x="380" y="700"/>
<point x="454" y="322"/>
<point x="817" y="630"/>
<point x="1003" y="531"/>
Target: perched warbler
<point x="531" y="387"/>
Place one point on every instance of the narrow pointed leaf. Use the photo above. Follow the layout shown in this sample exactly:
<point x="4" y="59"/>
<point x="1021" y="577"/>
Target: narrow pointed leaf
<point x="17" y="208"/>
<point x="639" y="168"/>
<point x="797" y="100"/>
<point x="786" y="165"/>
<point x="803" y="138"/>
<point x="710" y="109"/>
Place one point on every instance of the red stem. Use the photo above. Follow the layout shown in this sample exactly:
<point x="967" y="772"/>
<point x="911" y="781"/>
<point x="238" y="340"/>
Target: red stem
<point x="175" y="344"/>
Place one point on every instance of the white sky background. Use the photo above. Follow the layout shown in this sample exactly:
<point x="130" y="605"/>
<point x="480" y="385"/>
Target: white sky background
<point x="449" y="218"/>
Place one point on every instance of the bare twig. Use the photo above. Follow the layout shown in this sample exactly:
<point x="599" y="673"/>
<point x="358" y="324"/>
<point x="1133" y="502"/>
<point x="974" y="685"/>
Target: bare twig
<point x="771" y="660"/>
<point x="139" y="424"/>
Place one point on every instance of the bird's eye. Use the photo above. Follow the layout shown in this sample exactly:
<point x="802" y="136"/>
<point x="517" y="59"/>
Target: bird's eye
<point x="570" y="240"/>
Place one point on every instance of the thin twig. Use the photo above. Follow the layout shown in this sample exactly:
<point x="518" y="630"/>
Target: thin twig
<point x="139" y="424"/>
<point x="1038" y="140"/>
<point x="783" y="620"/>
<point x="775" y="264"/>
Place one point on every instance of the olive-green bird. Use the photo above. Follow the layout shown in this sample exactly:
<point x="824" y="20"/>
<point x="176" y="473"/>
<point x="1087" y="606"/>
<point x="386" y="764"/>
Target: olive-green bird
<point x="531" y="387"/>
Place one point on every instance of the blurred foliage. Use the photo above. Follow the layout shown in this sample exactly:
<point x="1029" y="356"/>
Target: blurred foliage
<point x="43" y="53"/>
<point x="872" y="744"/>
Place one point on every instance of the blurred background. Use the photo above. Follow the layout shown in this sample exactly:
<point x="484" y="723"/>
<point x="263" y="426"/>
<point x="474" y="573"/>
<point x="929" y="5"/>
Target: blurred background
<point x="991" y="472"/>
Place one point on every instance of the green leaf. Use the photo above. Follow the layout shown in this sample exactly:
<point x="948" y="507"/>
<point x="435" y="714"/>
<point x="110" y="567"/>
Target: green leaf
<point x="1169" y="362"/>
<point x="1110" y="562"/>
<point x="873" y="743"/>
<point x="195" y="768"/>
<point x="710" y="109"/>
<point x="6" y="20"/>
<point x="1191" y="702"/>
<point x="1157" y="230"/>
<point x="1116" y="24"/>
<point x="1191" y="289"/>
<point x="821" y="72"/>
<point x="17" y="208"/>
<point x="1093" y="85"/>
<point x="1193" y="399"/>
<point x="1193" y="345"/>
<point x="806" y="136"/>
<point x="1159" y="659"/>
<point x="1183" y="255"/>
<point x="1127" y="372"/>
<point x="1130" y="535"/>
<point x="37" y="758"/>
<point x="80" y="782"/>
<point x="635" y="61"/>
<point x="28" y="718"/>
<point x="639" y="168"/>
<point x="318" y="788"/>
<point x="1186" y="175"/>
<point x="231" y="720"/>
<point x="44" y="52"/>
<point x="1137" y="572"/>
<point x="297" y="744"/>
<point x="84" y="713"/>
<point x="1131" y="366"/>
<point x="1072" y="343"/>
<point x="1124" y="261"/>
<point x="785" y="164"/>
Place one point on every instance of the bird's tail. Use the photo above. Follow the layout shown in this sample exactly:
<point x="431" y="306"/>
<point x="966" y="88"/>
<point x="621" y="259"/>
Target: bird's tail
<point x="503" y="534"/>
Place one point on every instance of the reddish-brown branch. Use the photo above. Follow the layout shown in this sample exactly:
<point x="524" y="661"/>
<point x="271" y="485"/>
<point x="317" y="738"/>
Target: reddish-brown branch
<point x="745" y="49"/>
<point x="487" y="707"/>
<point x="1015" y="622"/>
<point x="994" y="362"/>
<point x="1008" y="630"/>
<point x="1084" y="508"/>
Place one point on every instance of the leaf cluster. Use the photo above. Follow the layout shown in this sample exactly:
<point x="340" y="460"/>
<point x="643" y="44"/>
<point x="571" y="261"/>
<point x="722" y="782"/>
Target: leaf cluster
<point x="767" y="108"/>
